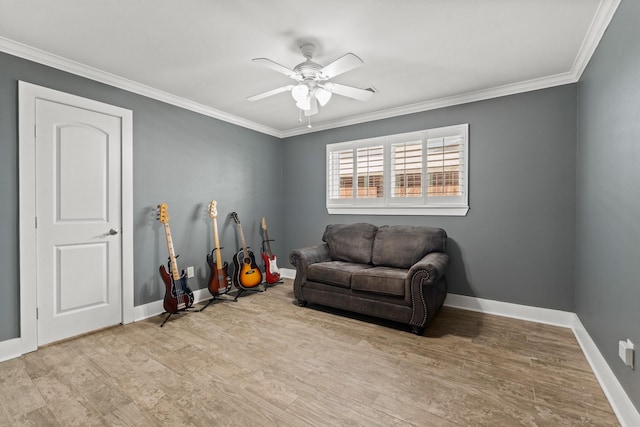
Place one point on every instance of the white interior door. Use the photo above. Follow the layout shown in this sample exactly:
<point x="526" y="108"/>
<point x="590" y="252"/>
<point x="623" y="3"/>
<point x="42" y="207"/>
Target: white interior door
<point x="68" y="264"/>
<point x="78" y="214"/>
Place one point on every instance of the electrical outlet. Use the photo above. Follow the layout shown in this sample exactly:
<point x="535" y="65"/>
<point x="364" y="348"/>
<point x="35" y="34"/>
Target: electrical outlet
<point x="625" y="351"/>
<point x="190" y="272"/>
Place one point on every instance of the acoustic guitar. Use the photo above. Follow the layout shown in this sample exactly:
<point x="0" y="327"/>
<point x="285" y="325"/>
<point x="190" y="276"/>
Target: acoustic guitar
<point x="220" y="282"/>
<point x="270" y="267"/>
<point x="178" y="295"/>
<point x="247" y="274"/>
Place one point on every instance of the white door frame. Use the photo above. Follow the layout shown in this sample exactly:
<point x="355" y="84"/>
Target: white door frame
<point x="28" y="93"/>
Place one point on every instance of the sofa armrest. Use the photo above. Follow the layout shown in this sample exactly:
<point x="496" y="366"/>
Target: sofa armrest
<point x="302" y="258"/>
<point x="427" y="287"/>
<point x="434" y="264"/>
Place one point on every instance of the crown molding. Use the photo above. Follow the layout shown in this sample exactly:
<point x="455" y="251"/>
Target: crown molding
<point x="45" y="58"/>
<point x="601" y="20"/>
<point x="603" y="16"/>
<point x="465" y="98"/>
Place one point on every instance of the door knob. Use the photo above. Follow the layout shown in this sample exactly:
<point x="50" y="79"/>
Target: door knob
<point x="113" y="232"/>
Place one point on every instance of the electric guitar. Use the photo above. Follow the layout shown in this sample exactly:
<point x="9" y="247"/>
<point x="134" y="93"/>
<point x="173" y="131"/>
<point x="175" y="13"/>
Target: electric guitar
<point x="270" y="266"/>
<point x="178" y="295"/>
<point x="247" y="274"/>
<point x="220" y="282"/>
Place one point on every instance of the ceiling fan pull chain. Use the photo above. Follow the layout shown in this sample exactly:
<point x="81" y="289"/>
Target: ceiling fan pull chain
<point x="309" y="123"/>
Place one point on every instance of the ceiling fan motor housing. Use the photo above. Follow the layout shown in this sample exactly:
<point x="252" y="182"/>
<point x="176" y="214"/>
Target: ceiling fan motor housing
<point x="309" y="69"/>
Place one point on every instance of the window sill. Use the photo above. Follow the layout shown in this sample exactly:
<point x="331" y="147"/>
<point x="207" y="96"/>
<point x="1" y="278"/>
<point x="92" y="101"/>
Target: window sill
<point x="400" y="210"/>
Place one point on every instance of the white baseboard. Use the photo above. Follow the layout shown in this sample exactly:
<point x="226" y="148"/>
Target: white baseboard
<point x="287" y="273"/>
<point x="10" y="349"/>
<point x="516" y="311"/>
<point x="622" y="406"/>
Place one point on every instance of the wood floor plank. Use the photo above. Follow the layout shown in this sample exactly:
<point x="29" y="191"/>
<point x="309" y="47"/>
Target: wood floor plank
<point x="264" y="361"/>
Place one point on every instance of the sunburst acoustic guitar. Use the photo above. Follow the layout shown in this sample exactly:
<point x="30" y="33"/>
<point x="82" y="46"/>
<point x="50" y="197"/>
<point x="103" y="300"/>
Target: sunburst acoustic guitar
<point x="247" y="274"/>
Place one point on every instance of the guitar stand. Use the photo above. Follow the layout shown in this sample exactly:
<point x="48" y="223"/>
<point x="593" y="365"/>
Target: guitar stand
<point x="183" y="311"/>
<point x="243" y="290"/>
<point x="267" y="285"/>
<point x="217" y="298"/>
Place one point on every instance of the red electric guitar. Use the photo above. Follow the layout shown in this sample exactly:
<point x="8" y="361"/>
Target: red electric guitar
<point x="270" y="266"/>
<point x="178" y="295"/>
<point x="219" y="282"/>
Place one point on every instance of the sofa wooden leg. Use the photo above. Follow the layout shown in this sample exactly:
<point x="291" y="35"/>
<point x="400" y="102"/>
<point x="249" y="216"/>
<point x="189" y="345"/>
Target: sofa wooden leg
<point x="302" y="303"/>
<point x="417" y="330"/>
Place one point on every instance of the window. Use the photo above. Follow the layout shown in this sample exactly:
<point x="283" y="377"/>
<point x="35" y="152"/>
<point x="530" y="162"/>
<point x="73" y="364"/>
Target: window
<point x="415" y="173"/>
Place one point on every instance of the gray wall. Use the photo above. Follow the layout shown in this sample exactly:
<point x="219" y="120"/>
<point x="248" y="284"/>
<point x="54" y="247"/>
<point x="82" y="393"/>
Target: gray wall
<point x="517" y="242"/>
<point x="608" y="194"/>
<point x="179" y="157"/>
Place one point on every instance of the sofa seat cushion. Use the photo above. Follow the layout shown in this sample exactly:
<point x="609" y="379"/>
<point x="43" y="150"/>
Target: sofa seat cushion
<point x="380" y="280"/>
<point x="401" y="246"/>
<point x="350" y="242"/>
<point x="335" y="273"/>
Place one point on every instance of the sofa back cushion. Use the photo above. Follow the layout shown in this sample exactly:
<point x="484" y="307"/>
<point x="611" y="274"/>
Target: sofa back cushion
<point x="350" y="242"/>
<point x="401" y="246"/>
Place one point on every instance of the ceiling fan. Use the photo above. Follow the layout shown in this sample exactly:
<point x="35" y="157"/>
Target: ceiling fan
<point x="313" y="88"/>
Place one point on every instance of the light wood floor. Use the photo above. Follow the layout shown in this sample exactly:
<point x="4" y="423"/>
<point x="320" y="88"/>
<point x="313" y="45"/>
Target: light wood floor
<point x="263" y="361"/>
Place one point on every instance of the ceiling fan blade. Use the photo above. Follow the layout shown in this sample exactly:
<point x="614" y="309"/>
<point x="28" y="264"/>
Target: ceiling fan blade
<point x="270" y="93"/>
<point x="341" y="65"/>
<point x="349" y="91"/>
<point x="277" y="67"/>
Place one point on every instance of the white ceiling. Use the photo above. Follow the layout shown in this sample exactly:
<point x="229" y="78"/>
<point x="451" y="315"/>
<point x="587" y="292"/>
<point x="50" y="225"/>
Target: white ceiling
<point x="419" y="54"/>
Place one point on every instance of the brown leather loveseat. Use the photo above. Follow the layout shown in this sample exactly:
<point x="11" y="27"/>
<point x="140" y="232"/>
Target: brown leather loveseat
<point x="391" y="272"/>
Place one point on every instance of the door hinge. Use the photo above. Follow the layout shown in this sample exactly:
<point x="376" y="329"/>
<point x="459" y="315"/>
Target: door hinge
<point x="36" y="221"/>
<point x="37" y="313"/>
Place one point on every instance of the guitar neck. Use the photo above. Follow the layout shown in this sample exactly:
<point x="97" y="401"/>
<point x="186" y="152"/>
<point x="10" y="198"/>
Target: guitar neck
<point x="216" y="241"/>
<point x="242" y="242"/>
<point x="172" y="255"/>
<point x="266" y="238"/>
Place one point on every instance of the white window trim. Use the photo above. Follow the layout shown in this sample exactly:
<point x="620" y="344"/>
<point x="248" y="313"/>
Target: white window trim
<point x="403" y="206"/>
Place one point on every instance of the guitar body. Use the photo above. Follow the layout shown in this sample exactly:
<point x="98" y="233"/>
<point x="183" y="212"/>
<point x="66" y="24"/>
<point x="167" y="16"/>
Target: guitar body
<point x="178" y="295"/>
<point x="271" y="268"/>
<point x="247" y="274"/>
<point x="220" y="282"/>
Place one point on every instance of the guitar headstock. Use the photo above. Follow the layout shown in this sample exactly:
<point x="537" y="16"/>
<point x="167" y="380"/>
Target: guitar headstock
<point x="264" y="224"/>
<point x="213" y="210"/>
<point x="235" y="218"/>
<point x="163" y="215"/>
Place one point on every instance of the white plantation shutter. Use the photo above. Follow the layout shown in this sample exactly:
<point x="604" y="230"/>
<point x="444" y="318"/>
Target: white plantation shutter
<point x="415" y="173"/>
<point x="406" y="169"/>
<point x="445" y="166"/>
<point x="369" y="170"/>
<point x="340" y="185"/>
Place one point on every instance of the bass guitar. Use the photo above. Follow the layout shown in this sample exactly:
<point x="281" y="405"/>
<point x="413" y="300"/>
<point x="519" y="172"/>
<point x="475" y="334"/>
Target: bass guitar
<point x="178" y="295"/>
<point x="220" y="282"/>
<point x="270" y="267"/>
<point x="247" y="274"/>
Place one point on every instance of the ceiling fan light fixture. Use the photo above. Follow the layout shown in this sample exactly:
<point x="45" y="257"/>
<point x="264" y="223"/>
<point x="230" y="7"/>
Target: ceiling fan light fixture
<point x="304" y="104"/>
<point x="300" y="92"/>
<point x="323" y="96"/>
